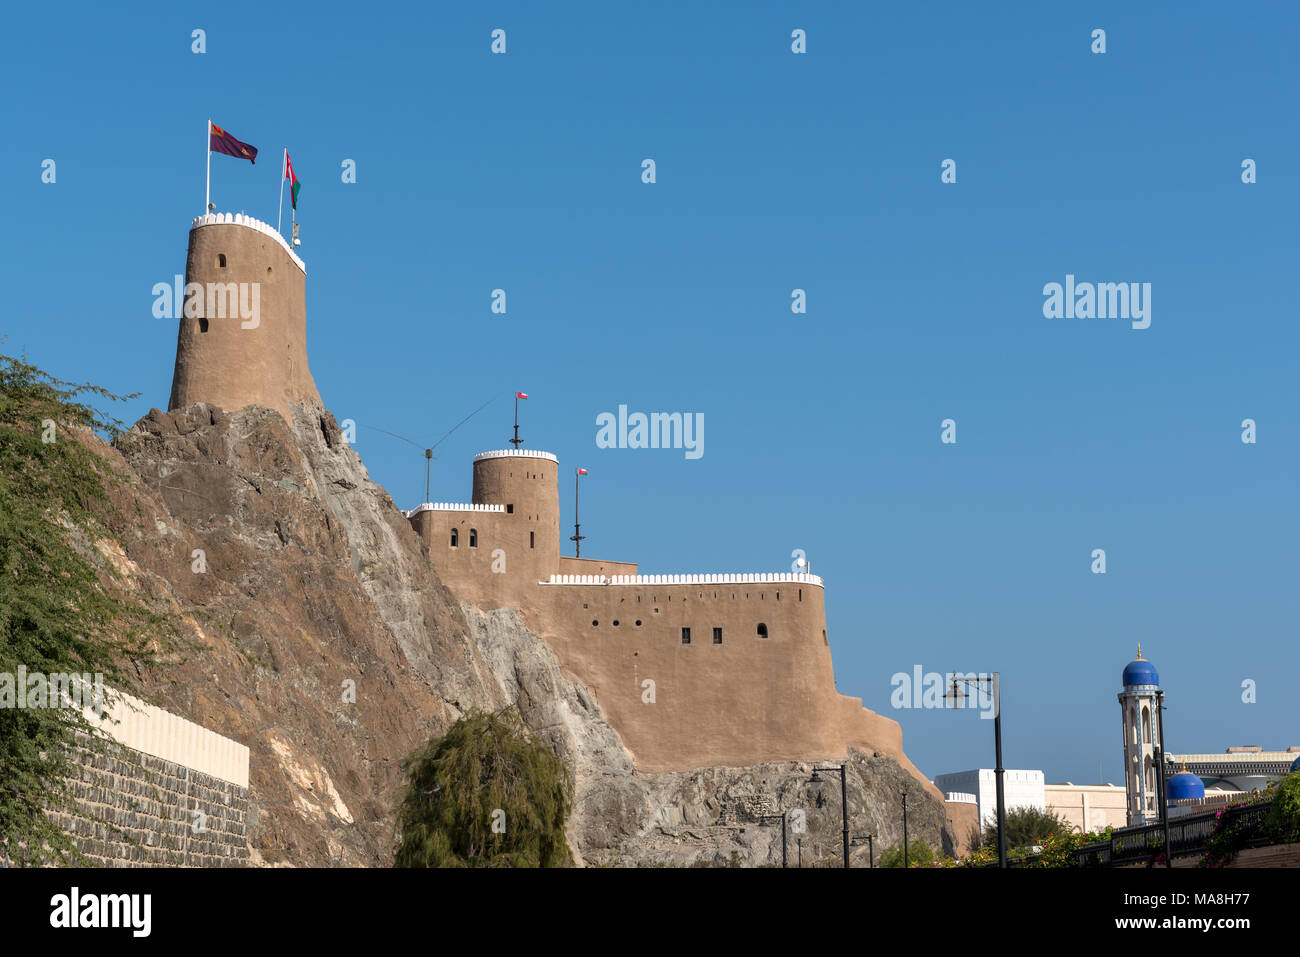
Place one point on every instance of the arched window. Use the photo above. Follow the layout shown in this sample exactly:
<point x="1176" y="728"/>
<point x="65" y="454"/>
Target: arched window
<point x="762" y="630"/>
<point x="473" y="538"/>
<point x="1146" y="725"/>
<point x="221" y="260"/>
<point x="455" y="538"/>
<point x="532" y="541"/>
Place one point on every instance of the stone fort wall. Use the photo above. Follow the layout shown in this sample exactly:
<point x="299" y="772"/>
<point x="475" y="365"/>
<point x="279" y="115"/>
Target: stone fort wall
<point x="764" y="690"/>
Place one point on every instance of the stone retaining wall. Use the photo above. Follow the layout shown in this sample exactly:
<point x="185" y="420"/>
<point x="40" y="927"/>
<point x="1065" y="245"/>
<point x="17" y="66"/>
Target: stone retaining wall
<point x="134" y="809"/>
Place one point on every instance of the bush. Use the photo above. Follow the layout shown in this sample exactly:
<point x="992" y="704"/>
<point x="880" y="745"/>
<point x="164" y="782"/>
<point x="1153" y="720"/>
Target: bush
<point x="1026" y="827"/>
<point x="62" y="609"/>
<point x="918" y="852"/>
<point x="1284" y="815"/>
<point x="484" y="795"/>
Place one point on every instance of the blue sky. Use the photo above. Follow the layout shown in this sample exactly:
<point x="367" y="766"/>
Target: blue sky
<point x="775" y="171"/>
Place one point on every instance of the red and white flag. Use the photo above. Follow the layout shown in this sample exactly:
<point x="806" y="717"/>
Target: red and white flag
<point x="582" y="471"/>
<point x="521" y="395"/>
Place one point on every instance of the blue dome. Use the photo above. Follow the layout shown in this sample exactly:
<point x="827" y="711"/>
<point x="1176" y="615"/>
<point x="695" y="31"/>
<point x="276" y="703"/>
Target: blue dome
<point x="1295" y="765"/>
<point x="1139" y="671"/>
<point x="1184" y="786"/>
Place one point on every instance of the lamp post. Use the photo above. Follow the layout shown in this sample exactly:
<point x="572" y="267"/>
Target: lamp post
<point x="1160" y="760"/>
<point x="844" y="801"/>
<point x="993" y="683"/>
<point x="868" y="840"/>
<point x="763" y="819"/>
<point x="907" y="861"/>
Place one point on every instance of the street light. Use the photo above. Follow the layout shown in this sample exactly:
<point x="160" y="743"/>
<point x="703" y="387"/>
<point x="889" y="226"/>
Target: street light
<point x="870" y="841"/>
<point x="763" y="819"/>
<point x="993" y="682"/>
<point x="1160" y="759"/>
<point x="844" y="801"/>
<point x="907" y="862"/>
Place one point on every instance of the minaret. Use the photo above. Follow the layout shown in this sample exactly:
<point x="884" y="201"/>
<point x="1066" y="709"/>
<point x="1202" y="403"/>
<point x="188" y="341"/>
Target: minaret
<point x="1138" y="703"/>
<point x="242" y="338"/>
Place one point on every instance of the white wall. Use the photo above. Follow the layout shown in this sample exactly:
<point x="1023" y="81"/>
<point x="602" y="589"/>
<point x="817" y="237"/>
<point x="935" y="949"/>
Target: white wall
<point x="151" y="730"/>
<point x="1022" y="789"/>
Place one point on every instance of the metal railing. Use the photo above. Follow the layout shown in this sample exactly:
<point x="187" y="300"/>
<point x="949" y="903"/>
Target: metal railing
<point x="1187" y="835"/>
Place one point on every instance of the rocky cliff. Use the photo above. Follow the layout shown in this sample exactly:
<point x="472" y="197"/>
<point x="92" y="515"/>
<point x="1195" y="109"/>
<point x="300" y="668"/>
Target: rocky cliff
<point x="317" y="633"/>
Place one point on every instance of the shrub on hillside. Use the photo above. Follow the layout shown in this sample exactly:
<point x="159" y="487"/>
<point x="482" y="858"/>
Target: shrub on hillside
<point x="485" y="794"/>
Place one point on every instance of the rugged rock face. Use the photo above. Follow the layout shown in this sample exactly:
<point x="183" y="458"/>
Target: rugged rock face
<point x="306" y="578"/>
<point x="706" y="816"/>
<point x="297" y="579"/>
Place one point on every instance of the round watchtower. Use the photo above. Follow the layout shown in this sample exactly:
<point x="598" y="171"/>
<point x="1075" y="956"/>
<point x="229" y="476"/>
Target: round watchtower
<point x="526" y="482"/>
<point x="242" y="337"/>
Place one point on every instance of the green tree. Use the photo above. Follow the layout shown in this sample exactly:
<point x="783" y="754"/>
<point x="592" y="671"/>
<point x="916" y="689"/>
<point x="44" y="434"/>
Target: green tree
<point x="1027" y="826"/>
<point x="484" y="795"/>
<point x="918" y="852"/>
<point x="61" y="611"/>
<point x="1284" y="815"/>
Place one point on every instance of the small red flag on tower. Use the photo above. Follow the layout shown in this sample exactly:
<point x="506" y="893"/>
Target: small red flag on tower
<point x="521" y="395"/>
<point x="294" y="185"/>
<point x="582" y="471"/>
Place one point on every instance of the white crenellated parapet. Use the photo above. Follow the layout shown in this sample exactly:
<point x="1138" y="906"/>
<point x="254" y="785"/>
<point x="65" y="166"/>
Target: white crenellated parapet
<point x="516" y="453"/>
<point x="151" y="730"/>
<point x="239" y="219"/>
<point x="959" y="797"/>
<point x="453" y="507"/>
<point x="772" y="578"/>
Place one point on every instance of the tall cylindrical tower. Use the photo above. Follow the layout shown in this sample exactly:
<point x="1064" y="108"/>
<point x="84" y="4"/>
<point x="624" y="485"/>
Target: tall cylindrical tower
<point x="242" y="337"/>
<point x="1138" y="703"/>
<point x="526" y="482"/>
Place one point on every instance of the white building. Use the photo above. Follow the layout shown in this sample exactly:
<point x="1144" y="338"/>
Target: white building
<point x="1022" y="789"/>
<point x="1088" y="807"/>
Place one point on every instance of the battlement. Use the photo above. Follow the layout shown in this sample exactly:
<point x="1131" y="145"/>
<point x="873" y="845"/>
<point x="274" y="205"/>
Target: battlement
<point x="516" y="453"/>
<point x="742" y="579"/>
<point x="239" y="219"/>
<point x="453" y="507"/>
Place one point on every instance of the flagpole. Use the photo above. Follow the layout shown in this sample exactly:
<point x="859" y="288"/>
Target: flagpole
<point x="207" y="145"/>
<point x="577" y="536"/>
<point x="284" y="166"/>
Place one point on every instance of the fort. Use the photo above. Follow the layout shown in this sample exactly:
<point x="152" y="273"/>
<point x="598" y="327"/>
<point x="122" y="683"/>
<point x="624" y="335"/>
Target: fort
<point x="692" y="670"/>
